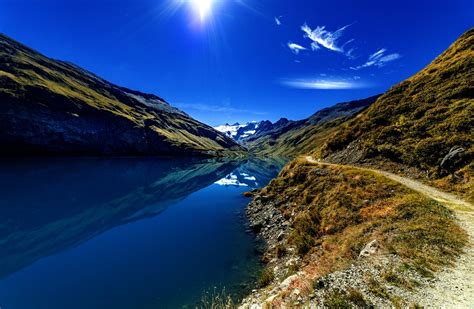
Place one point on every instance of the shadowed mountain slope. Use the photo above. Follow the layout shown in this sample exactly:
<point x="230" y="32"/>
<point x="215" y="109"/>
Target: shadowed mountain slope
<point x="50" y="107"/>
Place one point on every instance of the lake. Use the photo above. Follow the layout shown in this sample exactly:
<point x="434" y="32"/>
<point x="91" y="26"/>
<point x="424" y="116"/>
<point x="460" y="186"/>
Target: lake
<point x="126" y="233"/>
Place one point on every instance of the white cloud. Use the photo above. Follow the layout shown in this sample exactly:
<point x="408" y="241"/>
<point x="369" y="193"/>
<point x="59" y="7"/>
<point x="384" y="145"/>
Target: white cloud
<point x="295" y="48"/>
<point x="323" y="84"/>
<point x="278" y="20"/>
<point x="315" y="46"/>
<point x="378" y="59"/>
<point x="324" y="38"/>
<point x="218" y="109"/>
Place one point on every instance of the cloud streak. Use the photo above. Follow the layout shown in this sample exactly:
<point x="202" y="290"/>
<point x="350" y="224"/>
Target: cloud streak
<point x="218" y="109"/>
<point x="278" y="20"/>
<point x="378" y="59"/>
<point x="321" y="37"/>
<point x="323" y="84"/>
<point x="295" y="48"/>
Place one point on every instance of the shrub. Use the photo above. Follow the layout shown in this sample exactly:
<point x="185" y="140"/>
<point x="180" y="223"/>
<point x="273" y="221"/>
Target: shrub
<point x="336" y="299"/>
<point x="265" y="278"/>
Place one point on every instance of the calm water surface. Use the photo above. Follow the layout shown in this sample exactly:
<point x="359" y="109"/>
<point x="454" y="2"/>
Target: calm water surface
<point x="125" y="233"/>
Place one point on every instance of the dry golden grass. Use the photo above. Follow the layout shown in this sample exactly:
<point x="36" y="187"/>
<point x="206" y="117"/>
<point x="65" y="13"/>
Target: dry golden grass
<point x="418" y="121"/>
<point x="339" y="210"/>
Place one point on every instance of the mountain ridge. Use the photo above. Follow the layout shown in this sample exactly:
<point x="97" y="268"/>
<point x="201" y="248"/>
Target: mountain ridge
<point x="248" y="131"/>
<point x="51" y="107"/>
<point x="290" y="138"/>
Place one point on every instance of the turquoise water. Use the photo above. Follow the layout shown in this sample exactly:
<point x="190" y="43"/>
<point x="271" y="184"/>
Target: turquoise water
<point x="125" y="233"/>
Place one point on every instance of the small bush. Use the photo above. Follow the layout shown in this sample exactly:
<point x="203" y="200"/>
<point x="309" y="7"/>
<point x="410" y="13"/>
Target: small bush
<point x="357" y="298"/>
<point x="394" y="279"/>
<point x="280" y="251"/>
<point x="336" y="299"/>
<point x="377" y="289"/>
<point x="265" y="278"/>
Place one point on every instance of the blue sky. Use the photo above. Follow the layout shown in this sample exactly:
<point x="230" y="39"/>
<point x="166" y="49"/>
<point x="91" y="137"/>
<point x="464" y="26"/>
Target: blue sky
<point x="245" y="59"/>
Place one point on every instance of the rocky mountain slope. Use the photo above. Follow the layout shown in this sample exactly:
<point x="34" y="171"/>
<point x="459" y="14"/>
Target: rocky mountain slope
<point x="425" y="123"/>
<point x="50" y="107"/>
<point x="290" y="138"/>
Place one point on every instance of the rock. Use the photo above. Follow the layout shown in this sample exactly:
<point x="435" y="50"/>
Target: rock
<point x="449" y="161"/>
<point x="369" y="249"/>
<point x="280" y="236"/>
<point x="291" y="262"/>
<point x="256" y="226"/>
<point x="270" y="299"/>
<point x="286" y="283"/>
<point x="296" y="292"/>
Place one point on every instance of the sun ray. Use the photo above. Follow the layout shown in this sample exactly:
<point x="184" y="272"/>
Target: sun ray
<point x="203" y="7"/>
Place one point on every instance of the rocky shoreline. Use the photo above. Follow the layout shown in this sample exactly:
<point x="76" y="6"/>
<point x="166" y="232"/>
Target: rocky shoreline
<point x="375" y="278"/>
<point x="273" y="230"/>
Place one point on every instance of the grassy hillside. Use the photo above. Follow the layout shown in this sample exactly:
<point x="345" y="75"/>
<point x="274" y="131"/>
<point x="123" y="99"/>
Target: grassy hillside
<point x="328" y="215"/>
<point x="303" y="136"/>
<point x="418" y="122"/>
<point x="54" y="107"/>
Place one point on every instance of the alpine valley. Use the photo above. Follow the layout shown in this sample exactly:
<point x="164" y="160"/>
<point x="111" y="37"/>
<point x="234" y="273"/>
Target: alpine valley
<point x="113" y="198"/>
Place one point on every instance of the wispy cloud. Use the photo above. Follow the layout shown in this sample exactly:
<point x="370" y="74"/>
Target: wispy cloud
<point x="295" y="48"/>
<point x="324" y="84"/>
<point x="378" y="59"/>
<point x="278" y="20"/>
<point x="217" y="109"/>
<point x="321" y="37"/>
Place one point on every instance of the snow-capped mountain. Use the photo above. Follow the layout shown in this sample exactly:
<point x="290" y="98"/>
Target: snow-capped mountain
<point x="239" y="131"/>
<point x="242" y="132"/>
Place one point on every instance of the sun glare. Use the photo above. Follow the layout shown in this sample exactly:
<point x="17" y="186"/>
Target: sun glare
<point x="203" y="7"/>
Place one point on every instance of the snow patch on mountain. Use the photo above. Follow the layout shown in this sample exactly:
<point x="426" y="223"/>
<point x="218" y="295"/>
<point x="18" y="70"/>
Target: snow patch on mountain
<point x="239" y="131"/>
<point x="243" y="132"/>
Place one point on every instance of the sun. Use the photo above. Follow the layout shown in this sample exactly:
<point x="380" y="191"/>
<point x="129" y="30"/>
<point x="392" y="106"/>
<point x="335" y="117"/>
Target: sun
<point x="203" y="8"/>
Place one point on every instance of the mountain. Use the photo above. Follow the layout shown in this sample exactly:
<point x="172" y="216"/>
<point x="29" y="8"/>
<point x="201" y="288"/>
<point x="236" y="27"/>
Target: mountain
<point x="238" y="131"/>
<point x="50" y="107"/>
<point x="425" y="123"/>
<point x="243" y="132"/>
<point x="289" y="138"/>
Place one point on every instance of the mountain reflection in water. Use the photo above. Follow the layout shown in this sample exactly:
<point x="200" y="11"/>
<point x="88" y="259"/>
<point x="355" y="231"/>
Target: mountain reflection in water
<point x="49" y="206"/>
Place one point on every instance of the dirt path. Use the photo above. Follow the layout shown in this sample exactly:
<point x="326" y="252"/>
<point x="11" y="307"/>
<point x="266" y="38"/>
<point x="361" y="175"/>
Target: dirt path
<point x="454" y="287"/>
